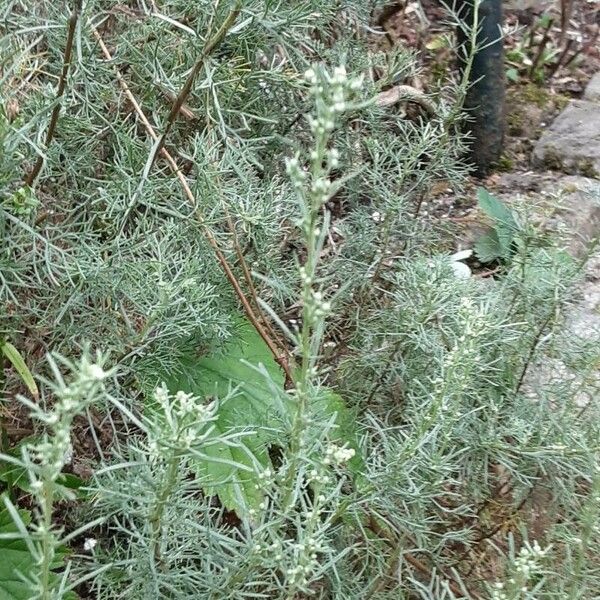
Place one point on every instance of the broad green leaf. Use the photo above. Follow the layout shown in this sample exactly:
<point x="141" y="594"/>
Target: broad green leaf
<point x="499" y="243"/>
<point x="488" y="247"/>
<point x="251" y="408"/>
<point x="257" y="406"/>
<point x="16" y="558"/>
<point x="18" y="363"/>
<point x="495" y="209"/>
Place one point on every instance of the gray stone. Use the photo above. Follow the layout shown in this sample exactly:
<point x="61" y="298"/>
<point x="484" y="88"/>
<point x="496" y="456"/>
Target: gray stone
<point x="582" y="326"/>
<point x="575" y="203"/>
<point x="592" y="91"/>
<point x="566" y="206"/>
<point x="572" y="143"/>
<point x="570" y="207"/>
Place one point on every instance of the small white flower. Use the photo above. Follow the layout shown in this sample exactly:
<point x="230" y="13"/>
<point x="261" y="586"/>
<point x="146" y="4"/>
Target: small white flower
<point x="189" y="437"/>
<point x="68" y="455"/>
<point x="339" y="74"/>
<point x="96" y="372"/>
<point x="89" y="544"/>
<point x="36" y="486"/>
<point x="310" y="76"/>
<point x="291" y="164"/>
<point x="161" y="394"/>
<point x="333" y="154"/>
<point x="357" y="83"/>
<point x="338" y="455"/>
<point x="185" y="401"/>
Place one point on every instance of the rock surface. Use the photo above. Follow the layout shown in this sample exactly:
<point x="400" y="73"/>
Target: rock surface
<point x="570" y="207"/>
<point x="592" y="91"/>
<point x="576" y="214"/>
<point x="572" y="143"/>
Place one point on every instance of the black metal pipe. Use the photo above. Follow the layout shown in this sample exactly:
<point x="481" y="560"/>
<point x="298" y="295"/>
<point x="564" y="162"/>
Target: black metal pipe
<point x="485" y="97"/>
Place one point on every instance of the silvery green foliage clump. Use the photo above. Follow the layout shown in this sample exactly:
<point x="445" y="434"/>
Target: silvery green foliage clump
<point x="345" y="259"/>
<point x="289" y="544"/>
<point x="141" y="278"/>
<point x="43" y="461"/>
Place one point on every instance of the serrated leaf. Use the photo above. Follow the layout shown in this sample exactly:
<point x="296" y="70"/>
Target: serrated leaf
<point x="488" y="247"/>
<point x="17" y="562"/>
<point x="15" y="358"/>
<point x="505" y="225"/>
<point x="495" y="209"/>
<point x="251" y="408"/>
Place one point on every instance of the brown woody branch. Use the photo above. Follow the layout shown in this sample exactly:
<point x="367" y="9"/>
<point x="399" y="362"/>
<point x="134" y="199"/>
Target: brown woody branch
<point x="279" y="354"/>
<point x="212" y="43"/>
<point x="62" y="84"/>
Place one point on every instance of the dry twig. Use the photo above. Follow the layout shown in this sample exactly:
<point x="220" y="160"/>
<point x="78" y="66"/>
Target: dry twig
<point x="62" y="84"/>
<point x="280" y="354"/>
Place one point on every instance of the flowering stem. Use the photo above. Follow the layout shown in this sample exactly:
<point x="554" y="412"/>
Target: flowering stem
<point x="312" y="204"/>
<point x="156" y="517"/>
<point x="330" y="93"/>
<point x="48" y="539"/>
<point x="303" y="381"/>
<point x="45" y="461"/>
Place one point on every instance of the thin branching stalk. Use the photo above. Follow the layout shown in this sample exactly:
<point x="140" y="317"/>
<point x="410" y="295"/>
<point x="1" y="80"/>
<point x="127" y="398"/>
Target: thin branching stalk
<point x="62" y="84"/>
<point x="213" y="42"/>
<point x="279" y="354"/>
<point x="250" y="282"/>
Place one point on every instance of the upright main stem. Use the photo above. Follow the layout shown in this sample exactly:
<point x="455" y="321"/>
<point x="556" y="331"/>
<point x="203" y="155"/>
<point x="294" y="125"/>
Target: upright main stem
<point x="47" y="542"/>
<point x="156" y="517"/>
<point x="303" y="380"/>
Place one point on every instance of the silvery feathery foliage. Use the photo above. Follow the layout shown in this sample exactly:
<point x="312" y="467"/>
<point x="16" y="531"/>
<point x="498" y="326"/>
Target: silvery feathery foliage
<point x="293" y="532"/>
<point x="109" y="260"/>
<point x="44" y="460"/>
<point x="107" y="249"/>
